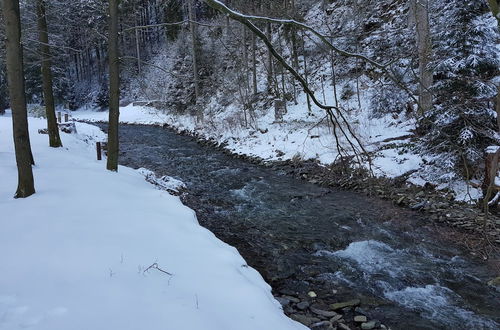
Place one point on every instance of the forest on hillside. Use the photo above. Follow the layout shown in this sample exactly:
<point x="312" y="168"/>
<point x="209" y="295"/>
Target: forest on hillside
<point x="434" y="62"/>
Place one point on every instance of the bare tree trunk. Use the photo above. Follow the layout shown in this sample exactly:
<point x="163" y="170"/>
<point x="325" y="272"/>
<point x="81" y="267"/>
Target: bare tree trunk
<point x="114" y="87"/>
<point x="137" y="47"/>
<point x="99" y="62"/>
<point x="306" y="73"/>
<point x="254" y="64"/>
<point x="48" y="93"/>
<point x="424" y="48"/>
<point x="269" y="60"/>
<point x="334" y="80"/>
<point x="77" y="71"/>
<point x="15" y="77"/>
<point x="194" y="49"/>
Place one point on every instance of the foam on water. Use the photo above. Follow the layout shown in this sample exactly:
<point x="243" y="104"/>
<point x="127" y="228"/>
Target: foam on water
<point x="436" y="302"/>
<point x="408" y="277"/>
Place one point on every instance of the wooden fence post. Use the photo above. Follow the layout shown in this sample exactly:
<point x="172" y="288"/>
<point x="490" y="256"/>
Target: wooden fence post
<point x="99" y="150"/>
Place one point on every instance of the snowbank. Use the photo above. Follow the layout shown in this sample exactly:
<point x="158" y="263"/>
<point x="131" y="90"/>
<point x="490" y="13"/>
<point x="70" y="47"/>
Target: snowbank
<point x="76" y="254"/>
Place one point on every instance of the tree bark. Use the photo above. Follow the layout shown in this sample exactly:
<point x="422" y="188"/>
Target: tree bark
<point x="48" y="93"/>
<point x="137" y="45"/>
<point x="424" y="48"/>
<point x="194" y="49"/>
<point x="270" y="69"/>
<point x="254" y="64"/>
<point x="114" y="87"/>
<point x="15" y="77"/>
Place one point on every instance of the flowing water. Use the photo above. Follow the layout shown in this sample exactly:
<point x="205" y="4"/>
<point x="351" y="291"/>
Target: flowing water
<point x="340" y="244"/>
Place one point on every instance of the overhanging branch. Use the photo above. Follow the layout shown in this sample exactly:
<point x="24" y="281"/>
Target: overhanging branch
<point x="333" y="112"/>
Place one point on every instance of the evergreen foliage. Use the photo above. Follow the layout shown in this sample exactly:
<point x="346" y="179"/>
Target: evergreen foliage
<point x="462" y="122"/>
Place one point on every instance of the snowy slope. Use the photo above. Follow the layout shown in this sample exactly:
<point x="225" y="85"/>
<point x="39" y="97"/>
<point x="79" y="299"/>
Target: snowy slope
<point x="75" y="255"/>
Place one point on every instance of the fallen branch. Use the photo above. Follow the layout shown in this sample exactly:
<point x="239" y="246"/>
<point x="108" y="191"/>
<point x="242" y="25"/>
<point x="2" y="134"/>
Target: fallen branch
<point x="155" y="266"/>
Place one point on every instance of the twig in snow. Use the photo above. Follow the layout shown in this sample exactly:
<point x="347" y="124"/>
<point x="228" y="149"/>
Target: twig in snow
<point x="155" y="266"/>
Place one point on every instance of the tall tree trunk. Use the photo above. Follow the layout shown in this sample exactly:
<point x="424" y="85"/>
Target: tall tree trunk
<point x="194" y="49"/>
<point x="254" y="64"/>
<point x="424" y="48"/>
<point x="306" y="73"/>
<point x="114" y="87"/>
<point x="15" y="77"/>
<point x="270" y="70"/>
<point x="99" y="62"/>
<point x="137" y="46"/>
<point x="77" y="72"/>
<point x="245" y="58"/>
<point x="48" y="93"/>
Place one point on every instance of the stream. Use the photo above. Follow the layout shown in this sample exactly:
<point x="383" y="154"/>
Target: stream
<point x="342" y="245"/>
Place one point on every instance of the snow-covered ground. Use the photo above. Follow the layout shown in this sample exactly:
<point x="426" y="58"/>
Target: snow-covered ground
<point x="91" y="250"/>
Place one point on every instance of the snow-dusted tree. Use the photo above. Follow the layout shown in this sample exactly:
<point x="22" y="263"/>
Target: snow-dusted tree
<point x="46" y="69"/>
<point x="462" y="123"/>
<point x="14" y="63"/>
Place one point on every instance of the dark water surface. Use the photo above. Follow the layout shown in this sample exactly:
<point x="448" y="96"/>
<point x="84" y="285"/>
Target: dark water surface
<point x="342" y="245"/>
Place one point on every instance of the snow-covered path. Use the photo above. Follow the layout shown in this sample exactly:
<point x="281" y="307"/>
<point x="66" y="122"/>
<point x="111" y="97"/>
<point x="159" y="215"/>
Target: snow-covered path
<point x="74" y="255"/>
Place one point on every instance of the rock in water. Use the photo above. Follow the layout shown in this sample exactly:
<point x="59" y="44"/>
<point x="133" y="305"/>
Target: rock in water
<point x="360" y="319"/>
<point x="302" y="305"/>
<point x="368" y="325"/>
<point x="321" y="312"/>
<point x="323" y="325"/>
<point x="350" y="303"/>
<point x="283" y="301"/>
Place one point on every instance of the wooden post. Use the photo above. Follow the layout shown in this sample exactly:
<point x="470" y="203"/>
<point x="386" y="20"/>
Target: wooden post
<point x="59" y="116"/>
<point x="66" y="117"/>
<point x="99" y="150"/>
